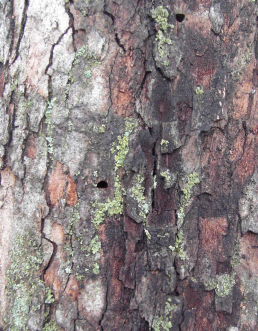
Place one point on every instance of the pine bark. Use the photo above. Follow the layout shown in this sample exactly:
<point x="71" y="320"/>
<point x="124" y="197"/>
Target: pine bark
<point x="128" y="155"/>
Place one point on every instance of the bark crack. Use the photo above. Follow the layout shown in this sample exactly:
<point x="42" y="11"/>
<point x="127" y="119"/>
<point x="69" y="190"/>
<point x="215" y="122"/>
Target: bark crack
<point x="119" y="43"/>
<point x="106" y="302"/>
<point x="110" y="87"/>
<point x="21" y="32"/>
<point x="52" y="50"/>
<point x="43" y="236"/>
<point x="117" y="39"/>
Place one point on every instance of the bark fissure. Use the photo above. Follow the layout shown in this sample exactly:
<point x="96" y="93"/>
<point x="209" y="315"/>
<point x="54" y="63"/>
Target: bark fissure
<point x="52" y="51"/>
<point x="22" y="28"/>
<point x="52" y="256"/>
<point x="118" y="41"/>
<point x="12" y="28"/>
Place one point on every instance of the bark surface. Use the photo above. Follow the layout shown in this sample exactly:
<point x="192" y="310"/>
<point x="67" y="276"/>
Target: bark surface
<point x="128" y="155"/>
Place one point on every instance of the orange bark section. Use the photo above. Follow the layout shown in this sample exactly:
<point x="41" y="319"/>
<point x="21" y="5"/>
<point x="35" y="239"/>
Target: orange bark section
<point x="31" y="147"/>
<point x="61" y="185"/>
<point x="57" y="234"/>
<point x="7" y="178"/>
<point x="212" y="232"/>
<point x="72" y="288"/>
<point x="52" y="279"/>
<point x="11" y="109"/>
<point x="245" y="167"/>
<point x="55" y="276"/>
<point x="71" y="198"/>
<point x="249" y="261"/>
<point x="122" y="96"/>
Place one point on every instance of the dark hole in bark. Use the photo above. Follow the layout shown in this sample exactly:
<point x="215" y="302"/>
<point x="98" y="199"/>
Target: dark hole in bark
<point x="102" y="184"/>
<point x="180" y="17"/>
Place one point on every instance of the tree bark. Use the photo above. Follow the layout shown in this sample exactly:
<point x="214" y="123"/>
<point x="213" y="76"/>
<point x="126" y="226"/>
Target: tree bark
<point x="128" y="154"/>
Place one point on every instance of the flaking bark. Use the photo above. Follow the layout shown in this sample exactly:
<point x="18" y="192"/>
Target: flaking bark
<point x="128" y="154"/>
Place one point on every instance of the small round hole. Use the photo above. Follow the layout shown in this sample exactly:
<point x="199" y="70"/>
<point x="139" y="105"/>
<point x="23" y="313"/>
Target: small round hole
<point x="180" y="17"/>
<point x="102" y="184"/>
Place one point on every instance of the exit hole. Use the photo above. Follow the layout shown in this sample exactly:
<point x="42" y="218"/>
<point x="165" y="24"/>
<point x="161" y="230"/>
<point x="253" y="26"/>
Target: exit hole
<point x="180" y="17"/>
<point x="102" y="184"/>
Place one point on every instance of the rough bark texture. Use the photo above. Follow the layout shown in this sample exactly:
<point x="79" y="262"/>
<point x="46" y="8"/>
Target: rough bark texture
<point x="129" y="181"/>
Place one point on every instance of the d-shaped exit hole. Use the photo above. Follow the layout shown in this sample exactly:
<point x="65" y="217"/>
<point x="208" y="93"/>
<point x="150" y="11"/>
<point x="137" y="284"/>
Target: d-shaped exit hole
<point x="102" y="184"/>
<point x="180" y="17"/>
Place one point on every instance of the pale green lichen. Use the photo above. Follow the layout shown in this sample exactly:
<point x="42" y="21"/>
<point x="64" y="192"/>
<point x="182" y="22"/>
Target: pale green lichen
<point x="154" y="181"/>
<point x="235" y="259"/>
<point x="70" y="126"/>
<point x="148" y="235"/>
<point x="137" y="193"/>
<point x="115" y="206"/>
<point x="23" y="283"/>
<point x="179" y="244"/>
<point x="26" y="104"/>
<point x="121" y="148"/>
<point x="50" y="146"/>
<point x="168" y="178"/>
<point x="98" y="128"/>
<point x="74" y="218"/>
<point x="109" y="208"/>
<point x="199" y="90"/>
<point x="82" y="52"/>
<point x="166" y="175"/>
<point x="210" y="285"/>
<point x="87" y="74"/>
<point x="163" y="323"/>
<point x="51" y="326"/>
<point x="49" y="298"/>
<point x="95" y="174"/>
<point x="222" y="284"/>
<point x="14" y="84"/>
<point x="95" y="245"/>
<point x="225" y="284"/>
<point x="161" y="41"/>
<point x="96" y="269"/>
<point x="92" y="60"/>
<point x="79" y="276"/>
<point x="164" y="142"/>
<point x="102" y="128"/>
<point x="192" y="180"/>
<point x="160" y="15"/>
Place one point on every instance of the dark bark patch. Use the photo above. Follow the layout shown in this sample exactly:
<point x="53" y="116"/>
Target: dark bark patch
<point x="203" y="69"/>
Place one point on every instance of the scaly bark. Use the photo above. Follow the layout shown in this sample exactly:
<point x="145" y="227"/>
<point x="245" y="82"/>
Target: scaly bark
<point x="128" y="154"/>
